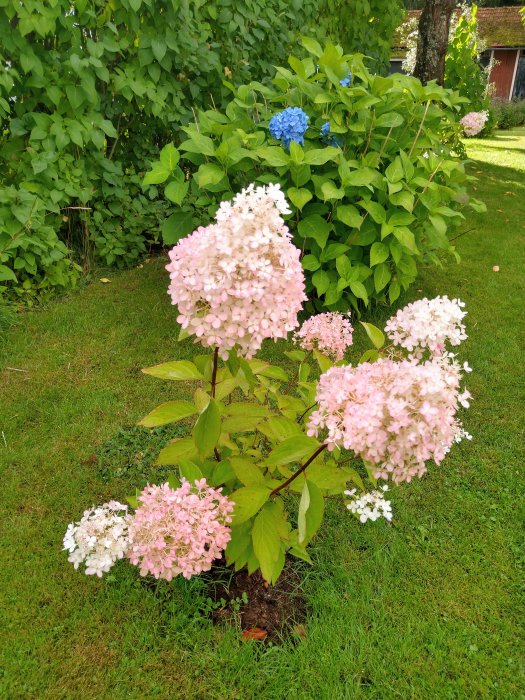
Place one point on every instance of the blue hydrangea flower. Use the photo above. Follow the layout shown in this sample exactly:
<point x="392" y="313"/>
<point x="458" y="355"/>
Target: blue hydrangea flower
<point x="346" y="82"/>
<point x="289" y="125"/>
<point x="327" y="136"/>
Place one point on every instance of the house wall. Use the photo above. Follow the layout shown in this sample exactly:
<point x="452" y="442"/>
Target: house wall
<point x="519" y="82"/>
<point x="503" y="72"/>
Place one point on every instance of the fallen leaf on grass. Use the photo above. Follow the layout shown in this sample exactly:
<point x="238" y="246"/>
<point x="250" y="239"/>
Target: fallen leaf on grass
<point x="500" y="211"/>
<point x="495" y="268"/>
<point x="105" y="280"/>
<point x="510" y="194"/>
<point x="254" y="633"/>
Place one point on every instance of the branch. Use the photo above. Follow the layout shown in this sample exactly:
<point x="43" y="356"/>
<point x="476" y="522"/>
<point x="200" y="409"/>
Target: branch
<point x="300" y="470"/>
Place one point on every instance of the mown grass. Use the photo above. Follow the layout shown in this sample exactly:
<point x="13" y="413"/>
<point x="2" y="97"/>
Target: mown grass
<point x="431" y="607"/>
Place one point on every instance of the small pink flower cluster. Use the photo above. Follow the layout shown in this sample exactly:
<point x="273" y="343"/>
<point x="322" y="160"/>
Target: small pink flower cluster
<point x="239" y="280"/>
<point x="428" y="325"/>
<point x="395" y="415"/>
<point x="100" y="538"/>
<point x="330" y="333"/>
<point x="179" y="531"/>
<point x="473" y="122"/>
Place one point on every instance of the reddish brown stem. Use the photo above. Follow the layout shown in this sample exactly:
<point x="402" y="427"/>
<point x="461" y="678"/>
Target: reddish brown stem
<point x="300" y="470"/>
<point x="214" y="372"/>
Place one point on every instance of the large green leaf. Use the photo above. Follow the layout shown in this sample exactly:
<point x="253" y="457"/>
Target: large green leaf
<point x="178" y="449"/>
<point x="299" y="196"/>
<point x="168" y="413"/>
<point x="311" y="510"/>
<point x="207" y="429"/>
<point x="266" y="538"/>
<point x="320" y="156"/>
<point x="247" y="471"/>
<point x="169" y="157"/>
<point x="248" y="501"/>
<point x="178" y="370"/>
<point x="292" y="450"/>
<point x="314" y="226"/>
<point x="177" y="226"/>
<point x="376" y="336"/>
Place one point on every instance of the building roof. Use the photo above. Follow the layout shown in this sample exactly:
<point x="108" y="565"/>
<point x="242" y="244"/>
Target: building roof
<point x="498" y="27"/>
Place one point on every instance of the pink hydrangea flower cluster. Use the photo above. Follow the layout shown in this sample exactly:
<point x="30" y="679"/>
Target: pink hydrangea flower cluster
<point x="473" y="122"/>
<point x="100" y="538"/>
<point x="330" y="333"/>
<point x="239" y="280"/>
<point x="179" y="531"/>
<point x="395" y="415"/>
<point x="428" y="325"/>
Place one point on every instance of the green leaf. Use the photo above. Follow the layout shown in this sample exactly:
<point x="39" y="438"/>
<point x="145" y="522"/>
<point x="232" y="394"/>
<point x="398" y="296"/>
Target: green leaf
<point x="299" y="196"/>
<point x="390" y="119"/>
<point x="246" y="471"/>
<point x="379" y="252"/>
<point x="159" y="173"/>
<point x="241" y="424"/>
<point x="6" y="274"/>
<point x="376" y="211"/>
<point x="313" y="513"/>
<point x="190" y="471"/>
<point x="178" y="225"/>
<point x="376" y="336"/>
<point x="177" y="449"/>
<point x="176" y="191"/>
<point x="209" y="174"/>
<point x="168" y="413"/>
<point x="331" y="191"/>
<point x="360" y="178"/>
<point x="295" y="355"/>
<point x="343" y="266"/>
<point x="266" y="539"/>
<point x="178" y="370"/>
<point x="207" y="429"/>
<point x="248" y="501"/>
<point x="382" y="276"/>
<point x="273" y="372"/>
<point x="304" y="504"/>
<point x="312" y="46"/>
<point x="321" y="281"/>
<point x="198" y="143"/>
<point x="273" y="155"/>
<point x="169" y="157"/>
<point x="394" y="291"/>
<point x="314" y="226"/>
<point x="320" y="156"/>
<point x="349" y="215"/>
<point x="405" y="236"/>
<point x="359" y="290"/>
<point x="324" y="362"/>
<point x="292" y="450"/>
<point x="159" y="48"/>
<point x="310" y="262"/>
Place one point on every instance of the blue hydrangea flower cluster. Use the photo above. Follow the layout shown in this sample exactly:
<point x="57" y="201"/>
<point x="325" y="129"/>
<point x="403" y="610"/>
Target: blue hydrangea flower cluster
<point x="289" y="125"/>
<point x="328" y="137"/>
<point x="346" y="82"/>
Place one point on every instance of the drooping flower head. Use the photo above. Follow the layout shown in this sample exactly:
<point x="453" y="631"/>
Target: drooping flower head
<point x="179" y="531"/>
<point x="395" y="415"/>
<point x="330" y="333"/>
<point x="239" y="280"/>
<point x="473" y="122"/>
<point x="428" y="324"/>
<point x="289" y="125"/>
<point x="100" y="538"/>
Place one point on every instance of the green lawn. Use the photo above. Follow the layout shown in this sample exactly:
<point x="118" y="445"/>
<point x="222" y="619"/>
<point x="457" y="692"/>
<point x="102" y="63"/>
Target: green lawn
<point x="429" y="608"/>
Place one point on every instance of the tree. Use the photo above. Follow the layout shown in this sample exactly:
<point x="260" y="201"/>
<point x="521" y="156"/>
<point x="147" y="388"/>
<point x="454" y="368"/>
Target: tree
<point x="434" y="25"/>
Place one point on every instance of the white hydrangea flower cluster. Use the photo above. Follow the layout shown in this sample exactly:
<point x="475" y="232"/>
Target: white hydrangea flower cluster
<point x="428" y="324"/>
<point x="370" y="506"/>
<point x="100" y="538"/>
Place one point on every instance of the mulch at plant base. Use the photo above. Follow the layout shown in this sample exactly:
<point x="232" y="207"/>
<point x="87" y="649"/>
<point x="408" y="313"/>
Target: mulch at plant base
<point x="271" y="611"/>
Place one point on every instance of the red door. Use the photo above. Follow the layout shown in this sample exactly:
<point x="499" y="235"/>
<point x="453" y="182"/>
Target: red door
<point x="502" y="73"/>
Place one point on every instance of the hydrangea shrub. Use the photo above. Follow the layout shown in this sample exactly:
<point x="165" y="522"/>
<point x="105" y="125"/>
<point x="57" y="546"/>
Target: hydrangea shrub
<point x="266" y="445"/>
<point x="367" y="163"/>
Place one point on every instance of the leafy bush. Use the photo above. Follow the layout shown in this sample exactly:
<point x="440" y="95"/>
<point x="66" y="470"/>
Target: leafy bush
<point x="509" y="114"/>
<point x="373" y="196"/>
<point x="264" y="447"/>
<point x="88" y="93"/>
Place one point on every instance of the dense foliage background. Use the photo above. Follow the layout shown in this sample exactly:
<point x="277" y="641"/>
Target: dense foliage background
<point x="88" y="92"/>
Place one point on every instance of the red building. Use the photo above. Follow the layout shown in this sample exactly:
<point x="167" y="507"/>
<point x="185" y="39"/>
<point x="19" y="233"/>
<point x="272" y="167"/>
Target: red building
<point x="502" y="32"/>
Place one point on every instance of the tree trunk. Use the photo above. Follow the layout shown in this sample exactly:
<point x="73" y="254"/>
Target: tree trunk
<point x="434" y="25"/>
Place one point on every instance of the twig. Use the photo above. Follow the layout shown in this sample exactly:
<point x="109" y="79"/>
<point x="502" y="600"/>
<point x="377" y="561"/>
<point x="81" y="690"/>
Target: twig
<point x="3" y="437"/>
<point x="15" y="369"/>
<point x="305" y="412"/>
<point x="300" y="470"/>
<point x="419" y="130"/>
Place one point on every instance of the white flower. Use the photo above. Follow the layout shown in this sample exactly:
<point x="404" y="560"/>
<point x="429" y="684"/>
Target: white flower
<point x="370" y="506"/>
<point x="99" y="539"/>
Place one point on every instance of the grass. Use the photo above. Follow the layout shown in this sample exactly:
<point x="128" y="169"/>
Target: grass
<point x="431" y="607"/>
